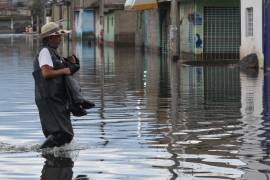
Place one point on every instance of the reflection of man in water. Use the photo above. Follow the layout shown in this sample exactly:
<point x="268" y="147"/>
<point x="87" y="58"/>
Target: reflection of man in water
<point x="59" y="168"/>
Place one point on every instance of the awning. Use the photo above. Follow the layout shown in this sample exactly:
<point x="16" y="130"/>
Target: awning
<point x="138" y="5"/>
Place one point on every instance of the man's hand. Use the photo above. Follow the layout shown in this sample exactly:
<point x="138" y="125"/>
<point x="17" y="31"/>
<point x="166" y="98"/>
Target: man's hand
<point x="73" y="68"/>
<point x="77" y="61"/>
<point x="72" y="59"/>
<point x="66" y="71"/>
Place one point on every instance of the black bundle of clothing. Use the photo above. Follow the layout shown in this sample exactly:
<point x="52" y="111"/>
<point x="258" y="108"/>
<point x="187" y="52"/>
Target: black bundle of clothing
<point x="77" y="103"/>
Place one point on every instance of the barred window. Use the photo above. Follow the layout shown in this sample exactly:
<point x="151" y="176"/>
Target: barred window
<point x="249" y="22"/>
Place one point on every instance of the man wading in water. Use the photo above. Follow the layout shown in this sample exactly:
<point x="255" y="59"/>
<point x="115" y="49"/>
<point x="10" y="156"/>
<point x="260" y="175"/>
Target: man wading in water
<point x="51" y="93"/>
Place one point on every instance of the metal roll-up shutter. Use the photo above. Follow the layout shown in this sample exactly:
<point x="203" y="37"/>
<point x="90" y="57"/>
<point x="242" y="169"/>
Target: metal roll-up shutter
<point x="222" y="33"/>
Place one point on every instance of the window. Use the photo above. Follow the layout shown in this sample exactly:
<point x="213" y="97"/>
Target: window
<point x="249" y="22"/>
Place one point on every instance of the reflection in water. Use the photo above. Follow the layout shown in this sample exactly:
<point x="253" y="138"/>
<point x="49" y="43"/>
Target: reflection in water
<point x="154" y="118"/>
<point x="252" y="100"/>
<point x="57" y="168"/>
<point x="174" y="76"/>
<point x="60" y="162"/>
<point x="266" y="126"/>
<point x="203" y="128"/>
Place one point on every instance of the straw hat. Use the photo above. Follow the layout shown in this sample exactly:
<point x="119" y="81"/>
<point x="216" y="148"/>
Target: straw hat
<point x="51" y="29"/>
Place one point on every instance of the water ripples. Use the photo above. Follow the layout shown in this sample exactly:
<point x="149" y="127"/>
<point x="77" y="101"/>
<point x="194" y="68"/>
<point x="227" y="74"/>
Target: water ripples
<point x="153" y="119"/>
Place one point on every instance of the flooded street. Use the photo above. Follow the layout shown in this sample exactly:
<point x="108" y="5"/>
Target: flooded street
<point x="154" y="119"/>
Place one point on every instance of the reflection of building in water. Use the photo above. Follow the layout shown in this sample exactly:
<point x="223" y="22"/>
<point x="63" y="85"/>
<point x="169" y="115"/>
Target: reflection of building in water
<point x="251" y="89"/>
<point x="18" y="45"/>
<point x="251" y="109"/>
<point x="152" y="77"/>
<point x="109" y="60"/>
<point x="203" y="137"/>
<point x="139" y="70"/>
<point x="266" y="126"/>
<point x="192" y="80"/>
<point x="222" y="84"/>
<point x="214" y="84"/>
<point x="156" y="84"/>
<point x="82" y="50"/>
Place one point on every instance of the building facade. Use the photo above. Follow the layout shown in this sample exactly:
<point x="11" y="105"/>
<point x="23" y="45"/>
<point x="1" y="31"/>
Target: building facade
<point x="152" y="28"/>
<point x="210" y="29"/>
<point x="252" y="30"/>
<point x="15" y="16"/>
<point x="60" y="12"/>
<point x="117" y="32"/>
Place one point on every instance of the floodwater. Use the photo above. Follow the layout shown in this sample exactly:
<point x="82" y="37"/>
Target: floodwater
<point x="154" y="119"/>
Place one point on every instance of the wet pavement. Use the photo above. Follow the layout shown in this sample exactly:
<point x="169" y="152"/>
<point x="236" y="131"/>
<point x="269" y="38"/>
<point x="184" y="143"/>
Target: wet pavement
<point x="154" y="119"/>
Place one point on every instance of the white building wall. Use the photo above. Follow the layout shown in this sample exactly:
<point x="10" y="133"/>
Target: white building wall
<point x="252" y="44"/>
<point x="187" y="28"/>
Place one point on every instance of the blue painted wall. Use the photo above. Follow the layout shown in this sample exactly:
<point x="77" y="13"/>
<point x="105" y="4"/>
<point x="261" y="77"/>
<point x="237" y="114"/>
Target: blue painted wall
<point x="76" y="23"/>
<point x="84" y="22"/>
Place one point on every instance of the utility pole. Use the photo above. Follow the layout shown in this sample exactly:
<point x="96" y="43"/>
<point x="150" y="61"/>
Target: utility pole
<point x="12" y="24"/>
<point x="174" y="31"/>
<point x="139" y="30"/>
<point x="12" y="20"/>
<point x="101" y="20"/>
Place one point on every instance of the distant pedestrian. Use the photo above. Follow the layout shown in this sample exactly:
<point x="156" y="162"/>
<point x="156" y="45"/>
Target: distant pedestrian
<point x="51" y="95"/>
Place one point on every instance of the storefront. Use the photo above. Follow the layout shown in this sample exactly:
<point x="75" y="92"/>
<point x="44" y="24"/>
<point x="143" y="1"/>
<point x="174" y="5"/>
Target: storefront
<point x="211" y="30"/>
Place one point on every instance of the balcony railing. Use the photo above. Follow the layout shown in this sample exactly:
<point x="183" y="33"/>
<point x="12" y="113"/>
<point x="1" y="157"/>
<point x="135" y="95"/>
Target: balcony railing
<point x="15" y="12"/>
<point x="95" y="3"/>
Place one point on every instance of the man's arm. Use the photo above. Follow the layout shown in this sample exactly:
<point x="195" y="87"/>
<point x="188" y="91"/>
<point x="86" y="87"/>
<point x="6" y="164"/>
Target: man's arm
<point x="48" y="72"/>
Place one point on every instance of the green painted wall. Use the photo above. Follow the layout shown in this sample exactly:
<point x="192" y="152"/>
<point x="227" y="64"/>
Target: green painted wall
<point x="152" y="29"/>
<point x="109" y="60"/>
<point x="109" y="27"/>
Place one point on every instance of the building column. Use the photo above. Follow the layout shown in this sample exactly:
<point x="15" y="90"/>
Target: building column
<point x="139" y="30"/>
<point x="101" y="21"/>
<point x="12" y="24"/>
<point x="32" y="21"/>
<point x="174" y="30"/>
